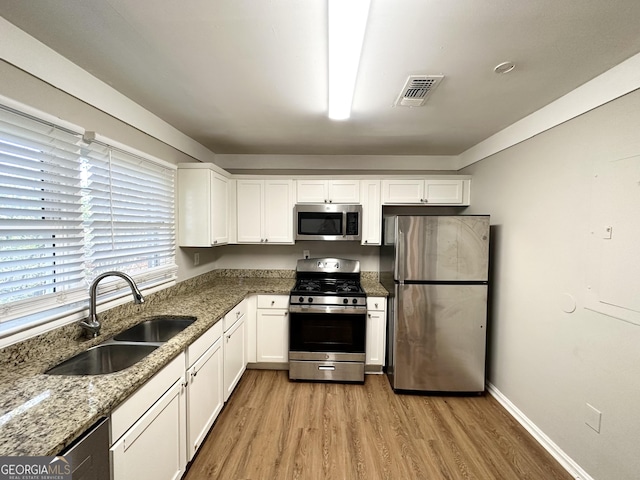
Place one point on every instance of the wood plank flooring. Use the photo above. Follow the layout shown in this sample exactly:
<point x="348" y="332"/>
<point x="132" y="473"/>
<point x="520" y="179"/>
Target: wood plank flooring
<point x="275" y="429"/>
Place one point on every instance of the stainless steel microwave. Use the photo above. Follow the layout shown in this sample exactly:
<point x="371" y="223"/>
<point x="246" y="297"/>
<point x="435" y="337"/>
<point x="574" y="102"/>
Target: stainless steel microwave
<point x="328" y="221"/>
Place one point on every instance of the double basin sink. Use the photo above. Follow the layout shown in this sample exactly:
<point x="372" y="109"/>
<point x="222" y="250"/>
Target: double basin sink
<point x="126" y="348"/>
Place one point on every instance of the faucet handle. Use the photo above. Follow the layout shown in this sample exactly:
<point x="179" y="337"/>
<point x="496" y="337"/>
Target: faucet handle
<point x="91" y="327"/>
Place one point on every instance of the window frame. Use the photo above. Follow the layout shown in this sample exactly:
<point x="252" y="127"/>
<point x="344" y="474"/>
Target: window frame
<point x="70" y="308"/>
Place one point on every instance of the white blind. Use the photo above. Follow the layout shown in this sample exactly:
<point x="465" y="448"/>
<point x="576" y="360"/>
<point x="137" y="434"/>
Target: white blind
<point x="131" y="227"/>
<point x="70" y="210"/>
<point x="41" y="216"/>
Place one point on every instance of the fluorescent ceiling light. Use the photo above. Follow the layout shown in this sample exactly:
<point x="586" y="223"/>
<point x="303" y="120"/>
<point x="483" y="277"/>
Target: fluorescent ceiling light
<point x="347" y="24"/>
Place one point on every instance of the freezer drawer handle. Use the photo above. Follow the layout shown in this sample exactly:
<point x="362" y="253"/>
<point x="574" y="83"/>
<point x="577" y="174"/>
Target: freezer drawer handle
<point x="326" y="367"/>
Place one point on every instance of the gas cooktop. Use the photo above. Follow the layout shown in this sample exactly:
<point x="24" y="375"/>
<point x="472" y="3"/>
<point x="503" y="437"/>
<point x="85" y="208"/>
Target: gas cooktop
<point x="328" y="281"/>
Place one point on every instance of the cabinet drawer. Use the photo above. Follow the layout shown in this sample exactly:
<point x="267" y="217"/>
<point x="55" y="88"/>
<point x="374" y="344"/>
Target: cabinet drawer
<point x="235" y="314"/>
<point x="273" y="301"/>
<point x="376" y="303"/>
<point x="208" y="338"/>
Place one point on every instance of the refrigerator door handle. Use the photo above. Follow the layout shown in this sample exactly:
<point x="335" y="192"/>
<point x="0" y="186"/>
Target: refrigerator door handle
<point x="399" y="260"/>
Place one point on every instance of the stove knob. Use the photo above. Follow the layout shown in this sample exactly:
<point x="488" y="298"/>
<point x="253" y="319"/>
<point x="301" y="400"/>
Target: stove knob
<point x="355" y="300"/>
<point x="301" y="299"/>
<point x="310" y="300"/>
<point x="346" y="300"/>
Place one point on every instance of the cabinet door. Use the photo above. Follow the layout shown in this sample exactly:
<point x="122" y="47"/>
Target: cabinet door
<point x="219" y="210"/>
<point x="278" y="211"/>
<point x="375" y="338"/>
<point x="448" y="192"/>
<point x="205" y="395"/>
<point x="344" y="191"/>
<point x="376" y="331"/>
<point x="154" y="448"/>
<point x="403" y="191"/>
<point x="371" y="212"/>
<point x="312" y="191"/>
<point x="250" y="210"/>
<point x="234" y="356"/>
<point x="272" y="342"/>
<point x="194" y="208"/>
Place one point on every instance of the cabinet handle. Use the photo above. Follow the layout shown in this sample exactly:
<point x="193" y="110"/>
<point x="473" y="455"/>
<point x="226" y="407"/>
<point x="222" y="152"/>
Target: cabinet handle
<point x="238" y="314"/>
<point x="273" y="302"/>
<point x="326" y="201"/>
<point x="228" y="337"/>
<point x="369" y="315"/>
<point x="366" y="241"/>
<point x="286" y="313"/>
<point x="266" y="240"/>
<point x="194" y="374"/>
<point x="376" y="305"/>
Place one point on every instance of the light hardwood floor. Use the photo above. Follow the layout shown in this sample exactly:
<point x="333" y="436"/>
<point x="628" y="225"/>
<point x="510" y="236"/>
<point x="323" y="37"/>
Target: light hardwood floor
<point x="275" y="429"/>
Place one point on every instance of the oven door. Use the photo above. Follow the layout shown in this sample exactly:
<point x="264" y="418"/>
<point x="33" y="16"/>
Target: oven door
<point x="327" y="330"/>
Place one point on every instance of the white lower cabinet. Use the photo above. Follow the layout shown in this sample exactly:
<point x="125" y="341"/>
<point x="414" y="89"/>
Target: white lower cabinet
<point x="205" y="389"/>
<point x="272" y="329"/>
<point x="234" y="347"/>
<point x="376" y="333"/>
<point x="153" y="447"/>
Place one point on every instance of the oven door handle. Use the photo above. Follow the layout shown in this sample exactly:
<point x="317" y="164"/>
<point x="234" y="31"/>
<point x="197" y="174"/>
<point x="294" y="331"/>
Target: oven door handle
<point x="349" y="310"/>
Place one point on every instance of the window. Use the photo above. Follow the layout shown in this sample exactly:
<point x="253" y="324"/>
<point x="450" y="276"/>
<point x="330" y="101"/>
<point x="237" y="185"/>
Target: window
<point x="70" y="210"/>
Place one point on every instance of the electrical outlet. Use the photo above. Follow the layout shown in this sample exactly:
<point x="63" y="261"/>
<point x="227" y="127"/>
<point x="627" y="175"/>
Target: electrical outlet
<point x="593" y="417"/>
<point x="196" y="259"/>
<point x="305" y="254"/>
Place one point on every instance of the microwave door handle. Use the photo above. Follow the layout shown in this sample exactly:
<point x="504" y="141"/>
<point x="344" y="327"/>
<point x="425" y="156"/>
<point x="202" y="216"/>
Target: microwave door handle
<point x="344" y="224"/>
<point x="399" y="260"/>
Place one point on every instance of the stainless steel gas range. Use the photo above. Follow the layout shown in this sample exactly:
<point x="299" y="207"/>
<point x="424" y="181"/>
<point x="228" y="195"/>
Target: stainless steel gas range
<point x="327" y="321"/>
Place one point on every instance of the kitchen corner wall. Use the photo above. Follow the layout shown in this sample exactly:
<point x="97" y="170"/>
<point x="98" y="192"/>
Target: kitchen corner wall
<point x="546" y="358"/>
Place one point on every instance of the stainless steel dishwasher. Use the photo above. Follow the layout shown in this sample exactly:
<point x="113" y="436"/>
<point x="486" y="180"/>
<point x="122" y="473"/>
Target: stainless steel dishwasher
<point x="89" y="455"/>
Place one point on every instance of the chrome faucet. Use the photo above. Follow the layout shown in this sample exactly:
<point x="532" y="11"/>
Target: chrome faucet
<point x="92" y="325"/>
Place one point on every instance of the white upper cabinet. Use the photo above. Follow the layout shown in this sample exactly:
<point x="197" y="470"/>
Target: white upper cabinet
<point x="203" y="199"/>
<point x="371" y="212"/>
<point x="328" y="191"/>
<point x="431" y="191"/>
<point x="264" y="211"/>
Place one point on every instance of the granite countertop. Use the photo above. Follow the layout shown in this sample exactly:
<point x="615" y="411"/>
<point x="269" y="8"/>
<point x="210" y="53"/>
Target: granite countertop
<point x="42" y="414"/>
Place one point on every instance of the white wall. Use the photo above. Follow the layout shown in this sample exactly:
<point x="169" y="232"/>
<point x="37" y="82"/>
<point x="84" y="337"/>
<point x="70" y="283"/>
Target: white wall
<point x="284" y="257"/>
<point x="550" y="363"/>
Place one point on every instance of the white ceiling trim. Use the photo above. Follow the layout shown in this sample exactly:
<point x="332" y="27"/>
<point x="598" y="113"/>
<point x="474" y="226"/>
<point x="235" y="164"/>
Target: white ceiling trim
<point x="614" y="83"/>
<point x="337" y="163"/>
<point x="25" y="52"/>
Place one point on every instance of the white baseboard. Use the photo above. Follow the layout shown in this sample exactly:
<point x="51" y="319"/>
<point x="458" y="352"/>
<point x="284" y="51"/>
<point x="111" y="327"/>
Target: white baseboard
<point x="567" y="462"/>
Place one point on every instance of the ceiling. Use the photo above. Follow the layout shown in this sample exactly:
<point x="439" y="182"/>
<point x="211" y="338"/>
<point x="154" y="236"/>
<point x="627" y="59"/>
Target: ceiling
<point x="250" y="76"/>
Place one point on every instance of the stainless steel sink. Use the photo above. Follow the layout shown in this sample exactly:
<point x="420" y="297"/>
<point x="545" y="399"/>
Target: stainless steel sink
<point x="103" y="358"/>
<point x="126" y="348"/>
<point x="156" y="329"/>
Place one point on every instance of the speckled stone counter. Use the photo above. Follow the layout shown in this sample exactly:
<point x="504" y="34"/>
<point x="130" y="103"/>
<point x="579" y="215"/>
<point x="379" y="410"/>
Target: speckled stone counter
<point x="42" y="414"/>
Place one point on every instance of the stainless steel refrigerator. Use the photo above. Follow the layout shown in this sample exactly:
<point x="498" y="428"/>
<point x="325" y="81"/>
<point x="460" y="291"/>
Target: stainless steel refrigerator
<point x="436" y="270"/>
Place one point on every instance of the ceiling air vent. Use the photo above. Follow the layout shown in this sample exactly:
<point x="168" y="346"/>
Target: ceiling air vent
<point x="416" y="88"/>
